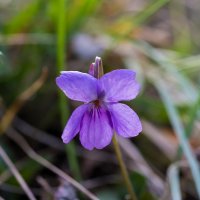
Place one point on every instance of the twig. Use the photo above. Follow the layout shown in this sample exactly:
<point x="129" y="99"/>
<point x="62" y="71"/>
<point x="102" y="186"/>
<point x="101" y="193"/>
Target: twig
<point x="133" y="153"/>
<point x="16" y="174"/>
<point x="6" y="174"/>
<point x="54" y="142"/>
<point x="45" y="186"/>
<point x="19" y="102"/>
<point x="17" y="190"/>
<point x="101" y="181"/>
<point x="37" y="134"/>
<point x="163" y="143"/>
<point x="166" y="193"/>
<point x="26" y="39"/>
<point x="32" y="154"/>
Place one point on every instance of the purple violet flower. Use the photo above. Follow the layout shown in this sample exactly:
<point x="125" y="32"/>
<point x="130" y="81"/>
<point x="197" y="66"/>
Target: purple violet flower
<point x="101" y="114"/>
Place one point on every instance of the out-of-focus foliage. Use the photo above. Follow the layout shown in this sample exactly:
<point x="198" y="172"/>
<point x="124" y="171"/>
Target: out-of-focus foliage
<point x="158" y="39"/>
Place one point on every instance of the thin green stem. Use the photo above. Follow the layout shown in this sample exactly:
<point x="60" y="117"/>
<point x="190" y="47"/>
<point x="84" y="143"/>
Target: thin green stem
<point x="64" y="108"/>
<point x="123" y="169"/>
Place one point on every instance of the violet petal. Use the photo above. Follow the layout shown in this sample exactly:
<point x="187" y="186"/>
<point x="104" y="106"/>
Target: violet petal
<point x="78" y="86"/>
<point x="96" y="129"/>
<point x="119" y="85"/>
<point x="125" y="121"/>
<point x="73" y="125"/>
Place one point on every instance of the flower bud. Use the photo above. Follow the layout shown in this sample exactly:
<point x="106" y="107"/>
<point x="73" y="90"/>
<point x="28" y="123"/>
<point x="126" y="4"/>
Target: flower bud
<point x="96" y="68"/>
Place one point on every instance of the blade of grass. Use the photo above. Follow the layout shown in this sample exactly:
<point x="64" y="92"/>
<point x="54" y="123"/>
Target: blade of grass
<point x="23" y="18"/>
<point x="4" y="69"/>
<point x="79" y="10"/>
<point x="134" y="21"/>
<point x="159" y="57"/>
<point x="174" y="182"/>
<point x="190" y="125"/>
<point x="179" y="130"/>
<point x="64" y="108"/>
<point x="192" y="117"/>
<point x="182" y="37"/>
<point x="148" y="11"/>
<point x="188" y="63"/>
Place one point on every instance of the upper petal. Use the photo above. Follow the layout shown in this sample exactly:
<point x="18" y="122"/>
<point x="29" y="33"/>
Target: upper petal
<point x="73" y="125"/>
<point x="77" y="85"/>
<point x="96" y="129"/>
<point x="125" y="121"/>
<point x="119" y="85"/>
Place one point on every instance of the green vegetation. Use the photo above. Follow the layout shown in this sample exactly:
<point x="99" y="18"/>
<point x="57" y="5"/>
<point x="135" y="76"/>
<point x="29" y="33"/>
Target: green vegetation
<point x="159" y="39"/>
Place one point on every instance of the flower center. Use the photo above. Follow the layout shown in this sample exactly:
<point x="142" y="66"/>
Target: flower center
<point x="96" y="103"/>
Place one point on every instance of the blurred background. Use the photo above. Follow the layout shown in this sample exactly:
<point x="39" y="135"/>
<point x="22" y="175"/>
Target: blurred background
<point x="159" y="39"/>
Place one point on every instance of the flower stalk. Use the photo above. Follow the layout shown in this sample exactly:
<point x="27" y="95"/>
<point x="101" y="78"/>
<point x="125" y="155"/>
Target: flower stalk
<point x="123" y="169"/>
<point x="97" y="68"/>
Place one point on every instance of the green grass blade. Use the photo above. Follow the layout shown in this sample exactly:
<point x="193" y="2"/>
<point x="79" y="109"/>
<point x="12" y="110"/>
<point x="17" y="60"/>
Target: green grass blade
<point x="188" y="64"/>
<point x="148" y="11"/>
<point x="159" y="57"/>
<point x="79" y="11"/>
<point x="174" y="182"/>
<point x="4" y="67"/>
<point x="64" y="108"/>
<point x="182" y="38"/>
<point x="192" y="117"/>
<point x="141" y="17"/>
<point x="24" y="18"/>
<point x="179" y="130"/>
<point x="190" y="125"/>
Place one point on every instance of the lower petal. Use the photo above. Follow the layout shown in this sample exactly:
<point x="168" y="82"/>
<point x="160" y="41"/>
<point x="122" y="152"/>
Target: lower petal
<point x="73" y="124"/>
<point x="125" y="121"/>
<point x="96" y="129"/>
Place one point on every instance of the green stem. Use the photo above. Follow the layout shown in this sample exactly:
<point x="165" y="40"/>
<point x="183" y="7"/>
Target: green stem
<point x="64" y="108"/>
<point x="123" y="168"/>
